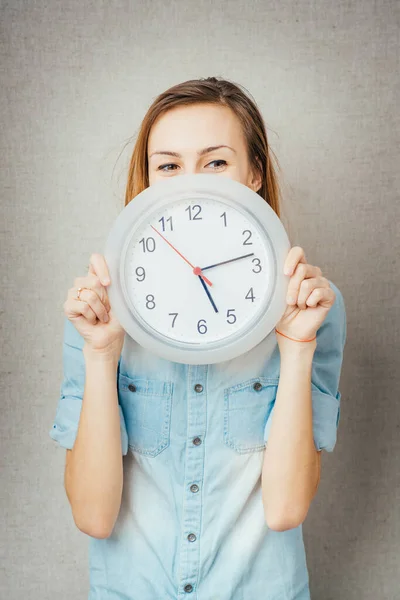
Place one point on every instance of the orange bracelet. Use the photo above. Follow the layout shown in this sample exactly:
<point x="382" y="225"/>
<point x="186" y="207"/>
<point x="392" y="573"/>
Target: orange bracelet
<point x="289" y="338"/>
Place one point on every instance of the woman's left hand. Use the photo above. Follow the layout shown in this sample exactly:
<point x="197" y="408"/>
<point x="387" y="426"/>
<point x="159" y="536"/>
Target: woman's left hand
<point x="309" y="297"/>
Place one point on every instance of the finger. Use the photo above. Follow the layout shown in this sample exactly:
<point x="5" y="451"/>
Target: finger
<point x="303" y="271"/>
<point x="75" y="309"/>
<point x="296" y="255"/>
<point x="93" y="282"/>
<point x="98" y="266"/>
<point x="307" y="287"/>
<point x="321" y="296"/>
<point x="90" y="297"/>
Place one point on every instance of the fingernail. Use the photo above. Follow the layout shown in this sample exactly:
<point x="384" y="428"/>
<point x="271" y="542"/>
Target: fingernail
<point x="290" y="300"/>
<point x="287" y="271"/>
<point x="105" y="281"/>
<point x="106" y="318"/>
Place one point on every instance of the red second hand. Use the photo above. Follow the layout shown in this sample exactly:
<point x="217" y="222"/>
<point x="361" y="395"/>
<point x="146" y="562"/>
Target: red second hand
<point x="196" y="270"/>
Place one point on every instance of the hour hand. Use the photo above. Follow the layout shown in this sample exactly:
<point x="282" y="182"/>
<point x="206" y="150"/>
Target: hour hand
<point x="224" y="262"/>
<point x="207" y="291"/>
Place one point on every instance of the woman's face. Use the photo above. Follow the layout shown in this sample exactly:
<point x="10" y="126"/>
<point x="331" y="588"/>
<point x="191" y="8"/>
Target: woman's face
<point x="199" y="138"/>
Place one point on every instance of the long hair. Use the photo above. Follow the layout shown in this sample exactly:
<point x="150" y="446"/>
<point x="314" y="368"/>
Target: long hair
<point x="216" y="91"/>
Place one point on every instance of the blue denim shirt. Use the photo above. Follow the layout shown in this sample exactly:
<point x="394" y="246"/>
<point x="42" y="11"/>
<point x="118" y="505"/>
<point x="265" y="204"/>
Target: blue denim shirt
<point x="191" y="524"/>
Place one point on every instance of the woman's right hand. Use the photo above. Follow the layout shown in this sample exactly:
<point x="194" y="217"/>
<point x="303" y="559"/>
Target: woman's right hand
<point x="92" y="315"/>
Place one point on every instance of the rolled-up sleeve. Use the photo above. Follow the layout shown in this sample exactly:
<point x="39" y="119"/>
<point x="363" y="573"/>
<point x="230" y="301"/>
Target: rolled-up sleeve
<point x="65" y="425"/>
<point x="325" y="377"/>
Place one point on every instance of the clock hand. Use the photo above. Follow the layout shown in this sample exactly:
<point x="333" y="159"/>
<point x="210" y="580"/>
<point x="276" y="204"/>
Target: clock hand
<point x="224" y="262"/>
<point x="207" y="291"/>
<point x="196" y="270"/>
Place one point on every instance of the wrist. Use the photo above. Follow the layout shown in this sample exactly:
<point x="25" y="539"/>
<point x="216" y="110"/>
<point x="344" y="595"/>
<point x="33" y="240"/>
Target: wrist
<point x="289" y="346"/>
<point x="109" y="355"/>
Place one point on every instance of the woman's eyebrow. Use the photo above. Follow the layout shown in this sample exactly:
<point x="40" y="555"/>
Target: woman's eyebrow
<point x="199" y="152"/>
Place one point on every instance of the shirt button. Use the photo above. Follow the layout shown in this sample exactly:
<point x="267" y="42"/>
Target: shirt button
<point x="198" y="388"/>
<point x="132" y="387"/>
<point x="191" y="537"/>
<point x="188" y="588"/>
<point x="194" y="488"/>
<point x="257" y="386"/>
<point x="197" y="441"/>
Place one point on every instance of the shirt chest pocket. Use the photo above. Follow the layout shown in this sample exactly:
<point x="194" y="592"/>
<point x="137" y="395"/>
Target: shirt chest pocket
<point x="247" y="407"/>
<point x="146" y="404"/>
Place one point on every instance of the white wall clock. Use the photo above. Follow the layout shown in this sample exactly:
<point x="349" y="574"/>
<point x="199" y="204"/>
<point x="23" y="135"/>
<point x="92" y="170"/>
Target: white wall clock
<point x="196" y="266"/>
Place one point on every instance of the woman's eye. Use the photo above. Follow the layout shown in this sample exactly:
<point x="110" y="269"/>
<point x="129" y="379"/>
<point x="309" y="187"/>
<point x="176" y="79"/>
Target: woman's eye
<point x="162" y="167"/>
<point x="217" y="161"/>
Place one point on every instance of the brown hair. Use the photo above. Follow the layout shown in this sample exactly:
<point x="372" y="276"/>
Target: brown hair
<point x="216" y="91"/>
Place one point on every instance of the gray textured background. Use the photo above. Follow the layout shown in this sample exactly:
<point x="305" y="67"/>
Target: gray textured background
<point x="76" y="79"/>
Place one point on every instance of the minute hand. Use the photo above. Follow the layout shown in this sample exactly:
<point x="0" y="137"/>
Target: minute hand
<point x="224" y="262"/>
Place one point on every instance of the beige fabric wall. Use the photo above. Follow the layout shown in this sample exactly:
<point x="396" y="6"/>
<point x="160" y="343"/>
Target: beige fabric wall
<point x="76" y="79"/>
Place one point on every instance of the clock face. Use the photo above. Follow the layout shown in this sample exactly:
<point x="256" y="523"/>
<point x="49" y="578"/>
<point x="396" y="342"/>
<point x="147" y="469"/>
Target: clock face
<point x="221" y="291"/>
<point x="196" y="267"/>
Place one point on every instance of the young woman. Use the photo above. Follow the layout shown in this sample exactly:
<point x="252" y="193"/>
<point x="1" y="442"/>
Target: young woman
<point x="224" y="459"/>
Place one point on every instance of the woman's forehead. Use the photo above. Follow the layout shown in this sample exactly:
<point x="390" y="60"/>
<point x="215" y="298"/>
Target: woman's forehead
<point x="194" y="128"/>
